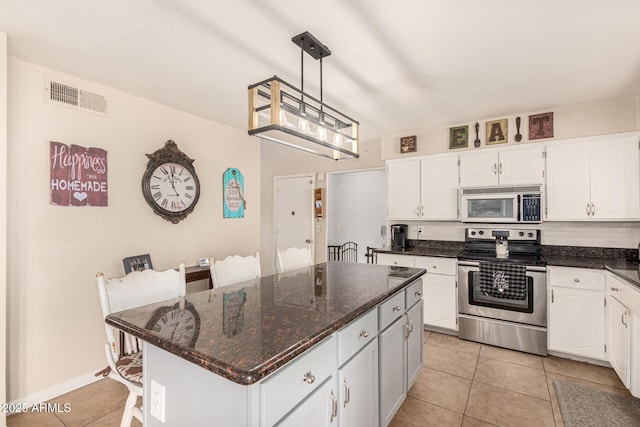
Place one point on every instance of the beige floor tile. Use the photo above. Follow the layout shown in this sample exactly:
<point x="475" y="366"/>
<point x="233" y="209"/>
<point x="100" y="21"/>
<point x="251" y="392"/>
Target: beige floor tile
<point x="507" y="408"/>
<point x="511" y="356"/>
<point x="472" y="422"/>
<point x="453" y="343"/>
<point x="93" y="402"/>
<point x="521" y="379"/>
<point x="585" y="371"/>
<point x="28" y="419"/>
<point x="451" y="361"/>
<point x="113" y="420"/>
<point x="441" y="389"/>
<point x="416" y="413"/>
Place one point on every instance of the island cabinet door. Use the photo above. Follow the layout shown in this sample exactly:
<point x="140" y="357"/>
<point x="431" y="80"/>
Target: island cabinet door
<point x="415" y="340"/>
<point x="320" y="409"/>
<point x="358" y="389"/>
<point x="392" y="370"/>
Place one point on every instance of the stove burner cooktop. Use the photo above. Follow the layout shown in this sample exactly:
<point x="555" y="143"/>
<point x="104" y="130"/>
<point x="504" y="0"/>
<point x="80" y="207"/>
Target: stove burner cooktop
<point x="524" y="246"/>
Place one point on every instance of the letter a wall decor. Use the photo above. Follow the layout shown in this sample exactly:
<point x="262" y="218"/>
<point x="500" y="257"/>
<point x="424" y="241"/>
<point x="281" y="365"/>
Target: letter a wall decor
<point x="233" y="202"/>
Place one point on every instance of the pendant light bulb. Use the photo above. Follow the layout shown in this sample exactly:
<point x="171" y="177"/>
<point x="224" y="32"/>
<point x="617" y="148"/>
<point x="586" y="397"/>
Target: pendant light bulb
<point x="337" y="140"/>
<point x="321" y="134"/>
<point x="303" y="125"/>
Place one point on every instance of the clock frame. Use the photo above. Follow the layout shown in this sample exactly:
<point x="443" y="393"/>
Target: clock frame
<point x="181" y="318"/>
<point x="169" y="154"/>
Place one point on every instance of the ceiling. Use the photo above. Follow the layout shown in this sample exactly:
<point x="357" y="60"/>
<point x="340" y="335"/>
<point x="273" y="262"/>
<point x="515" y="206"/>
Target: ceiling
<point x="395" y="65"/>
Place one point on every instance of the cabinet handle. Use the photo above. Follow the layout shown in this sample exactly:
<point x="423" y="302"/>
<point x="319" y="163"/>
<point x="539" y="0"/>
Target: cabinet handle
<point x="495" y="169"/>
<point x="593" y="209"/>
<point x="500" y="169"/>
<point x="434" y="267"/>
<point x="418" y="293"/>
<point x="334" y="407"/>
<point x="614" y="289"/>
<point x="347" y="392"/>
<point x="576" y="280"/>
<point x="309" y="378"/>
<point x="417" y="210"/>
<point x="364" y="333"/>
<point x="396" y="308"/>
<point x="422" y="211"/>
<point x="552" y="295"/>
<point x="588" y="210"/>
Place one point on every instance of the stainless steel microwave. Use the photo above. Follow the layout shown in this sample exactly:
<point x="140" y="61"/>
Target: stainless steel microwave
<point x="502" y="204"/>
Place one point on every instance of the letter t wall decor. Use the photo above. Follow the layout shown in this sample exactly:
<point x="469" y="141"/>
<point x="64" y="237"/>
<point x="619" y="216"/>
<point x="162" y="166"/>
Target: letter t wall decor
<point x="233" y="202"/>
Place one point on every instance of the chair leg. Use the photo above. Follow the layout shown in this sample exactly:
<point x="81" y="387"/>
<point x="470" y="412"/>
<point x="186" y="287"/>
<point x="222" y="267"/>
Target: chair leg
<point x="129" y="407"/>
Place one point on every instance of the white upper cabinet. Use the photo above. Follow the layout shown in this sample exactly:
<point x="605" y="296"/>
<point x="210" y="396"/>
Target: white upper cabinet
<point x="594" y="180"/>
<point x="515" y="166"/>
<point x="424" y="188"/>
<point x="403" y="189"/>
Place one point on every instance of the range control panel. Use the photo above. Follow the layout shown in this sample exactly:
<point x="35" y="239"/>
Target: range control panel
<point x="508" y="233"/>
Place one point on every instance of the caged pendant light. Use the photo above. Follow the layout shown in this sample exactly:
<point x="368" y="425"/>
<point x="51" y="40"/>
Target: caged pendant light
<point x="281" y="113"/>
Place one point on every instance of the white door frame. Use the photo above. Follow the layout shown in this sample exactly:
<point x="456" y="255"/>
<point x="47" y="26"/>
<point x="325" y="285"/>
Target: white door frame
<point x="274" y="238"/>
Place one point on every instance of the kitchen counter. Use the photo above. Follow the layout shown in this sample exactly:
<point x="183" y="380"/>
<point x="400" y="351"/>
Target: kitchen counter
<point x="248" y="330"/>
<point x="432" y="248"/>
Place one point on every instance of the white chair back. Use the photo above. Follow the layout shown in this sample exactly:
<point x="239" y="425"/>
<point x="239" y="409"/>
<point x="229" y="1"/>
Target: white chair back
<point x="293" y="258"/>
<point x="136" y="289"/>
<point x="234" y="269"/>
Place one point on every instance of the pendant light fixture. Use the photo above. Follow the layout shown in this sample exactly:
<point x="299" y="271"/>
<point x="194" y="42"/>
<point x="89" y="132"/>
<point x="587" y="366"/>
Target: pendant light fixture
<point x="281" y="113"/>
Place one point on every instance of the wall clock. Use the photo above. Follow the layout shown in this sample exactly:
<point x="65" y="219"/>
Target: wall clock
<point x="179" y="323"/>
<point x="170" y="184"/>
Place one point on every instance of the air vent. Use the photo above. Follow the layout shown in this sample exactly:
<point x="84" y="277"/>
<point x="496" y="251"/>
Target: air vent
<point x="61" y="93"/>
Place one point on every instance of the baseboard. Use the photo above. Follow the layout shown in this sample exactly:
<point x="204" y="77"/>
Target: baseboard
<point x="53" y="391"/>
<point x="579" y="358"/>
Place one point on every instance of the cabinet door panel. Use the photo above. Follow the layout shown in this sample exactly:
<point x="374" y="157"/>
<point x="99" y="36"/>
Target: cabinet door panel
<point x="358" y="389"/>
<point x="615" y="180"/>
<point x="439" y="179"/>
<point x="392" y="373"/>
<point x="576" y="322"/>
<point x="619" y="335"/>
<point x="403" y="189"/>
<point x="316" y="410"/>
<point x="415" y="341"/>
<point x="521" y="166"/>
<point x="440" y="301"/>
<point x="478" y="169"/>
<point x="568" y="185"/>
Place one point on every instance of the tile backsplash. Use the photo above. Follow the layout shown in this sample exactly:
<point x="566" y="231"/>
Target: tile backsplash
<point x="598" y="234"/>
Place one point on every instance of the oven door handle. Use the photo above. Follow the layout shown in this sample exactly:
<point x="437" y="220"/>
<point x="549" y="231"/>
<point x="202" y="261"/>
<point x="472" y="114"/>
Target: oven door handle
<point x="469" y="263"/>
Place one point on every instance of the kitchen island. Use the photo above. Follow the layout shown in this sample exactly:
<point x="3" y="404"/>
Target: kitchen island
<point x="256" y="353"/>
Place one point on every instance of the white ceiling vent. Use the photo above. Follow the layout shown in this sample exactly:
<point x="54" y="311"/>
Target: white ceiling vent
<point x="61" y="93"/>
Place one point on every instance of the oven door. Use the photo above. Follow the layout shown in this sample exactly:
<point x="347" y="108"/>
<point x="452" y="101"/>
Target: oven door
<point x="499" y="208"/>
<point x="531" y="310"/>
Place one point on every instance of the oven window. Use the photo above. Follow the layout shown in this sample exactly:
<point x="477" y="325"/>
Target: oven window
<point x="490" y="208"/>
<point x="477" y="296"/>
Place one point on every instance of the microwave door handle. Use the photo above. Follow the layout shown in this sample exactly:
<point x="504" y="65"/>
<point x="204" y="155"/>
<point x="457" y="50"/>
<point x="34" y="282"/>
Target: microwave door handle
<point x="518" y="197"/>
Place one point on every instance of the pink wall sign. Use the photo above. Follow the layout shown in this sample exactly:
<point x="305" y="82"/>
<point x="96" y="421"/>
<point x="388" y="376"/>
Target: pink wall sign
<point x="78" y="175"/>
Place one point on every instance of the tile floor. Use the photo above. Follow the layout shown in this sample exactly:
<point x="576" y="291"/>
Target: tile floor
<point x="461" y="384"/>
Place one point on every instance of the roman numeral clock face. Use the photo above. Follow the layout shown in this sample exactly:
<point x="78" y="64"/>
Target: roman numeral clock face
<point x="170" y="184"/>
<point x="172" y="187"/>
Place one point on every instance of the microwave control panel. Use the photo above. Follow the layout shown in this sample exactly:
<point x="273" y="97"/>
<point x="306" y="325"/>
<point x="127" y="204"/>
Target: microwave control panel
<point x="531" y="208"/>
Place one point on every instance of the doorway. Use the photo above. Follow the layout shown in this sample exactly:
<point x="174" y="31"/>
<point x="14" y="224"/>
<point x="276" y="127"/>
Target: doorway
<point x="293" y="215"/>
<point x="356" y="209"/>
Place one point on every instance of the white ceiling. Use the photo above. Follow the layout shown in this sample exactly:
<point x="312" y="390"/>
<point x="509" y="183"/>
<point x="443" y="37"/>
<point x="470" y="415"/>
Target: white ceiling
<point x="395" y="65"/>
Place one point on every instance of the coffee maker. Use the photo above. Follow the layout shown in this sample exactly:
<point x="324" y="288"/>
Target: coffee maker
<point x="399" y="236"/>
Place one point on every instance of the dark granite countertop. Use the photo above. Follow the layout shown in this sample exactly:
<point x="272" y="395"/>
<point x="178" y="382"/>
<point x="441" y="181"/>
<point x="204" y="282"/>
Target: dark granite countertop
<point x="248" y="330"/>
<point x="435" y="248"/>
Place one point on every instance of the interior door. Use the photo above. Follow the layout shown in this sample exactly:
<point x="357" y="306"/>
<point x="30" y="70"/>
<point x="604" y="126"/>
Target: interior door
<point x="293" y="212"/>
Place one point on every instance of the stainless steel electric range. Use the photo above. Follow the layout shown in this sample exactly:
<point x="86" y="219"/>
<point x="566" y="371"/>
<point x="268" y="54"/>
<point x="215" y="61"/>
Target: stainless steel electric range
<point x="502" y="289"/>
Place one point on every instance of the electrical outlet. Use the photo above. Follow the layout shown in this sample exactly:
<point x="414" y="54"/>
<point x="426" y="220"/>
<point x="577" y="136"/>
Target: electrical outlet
<point x="419" y="229"/>
<point x="157" y="401"/>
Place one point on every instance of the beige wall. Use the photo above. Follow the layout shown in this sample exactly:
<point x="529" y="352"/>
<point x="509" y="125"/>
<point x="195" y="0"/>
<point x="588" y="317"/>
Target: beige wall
<point x="595" y="118"/>
<point x="55" y="330"/>
<point x="3" y="222"/>
<point x="278" y="160"/>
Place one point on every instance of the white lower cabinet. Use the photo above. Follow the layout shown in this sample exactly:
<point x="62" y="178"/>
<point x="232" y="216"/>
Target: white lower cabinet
<point x="576" y="312"/>
<point x="400" y="360"/>
<point x="320" y="409"/>
<point x="440" y="291"/>
<point x="619" y="336"/>
<point x="358" y="389"/>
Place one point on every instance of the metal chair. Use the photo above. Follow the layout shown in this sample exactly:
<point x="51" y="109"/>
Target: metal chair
<point x="124" y="355"/>
<point x="371" y="255"/>
<point x="234" y="269"/>
<point x="333" y="252"/>
<point x="349" y="252"/>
